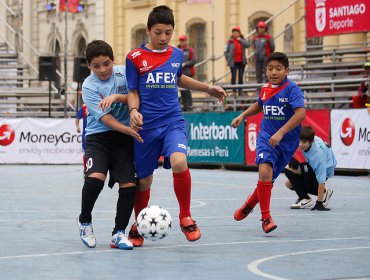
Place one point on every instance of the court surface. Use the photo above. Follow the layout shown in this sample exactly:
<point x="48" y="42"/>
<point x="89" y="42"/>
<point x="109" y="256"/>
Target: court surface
<point x="39" y="238"/>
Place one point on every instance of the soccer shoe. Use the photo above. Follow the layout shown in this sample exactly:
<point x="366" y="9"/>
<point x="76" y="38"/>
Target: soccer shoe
<point x="327" y="196"/>
<point x="87" y="234"/>
<point x="136" y="239"/>
<point x="302" y="203"/>
<point x="268" y="225"/>
<point x="320" y="207"/>
<point x="120" y="241"/>
<point x="190" y="229"/>
<point x="243" y="212"/>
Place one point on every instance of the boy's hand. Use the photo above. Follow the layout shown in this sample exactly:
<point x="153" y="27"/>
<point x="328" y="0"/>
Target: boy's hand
<point x="136" y="120"/>
<point x="237" y="121"/>
<point x="217" y="92"/>
<point x="276" y="138"/>
<point x="107" y="102"/>
<point x="136" y="135"/>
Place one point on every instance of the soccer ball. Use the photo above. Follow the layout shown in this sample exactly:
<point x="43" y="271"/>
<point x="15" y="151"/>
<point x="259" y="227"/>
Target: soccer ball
<point x="154" y="222"/>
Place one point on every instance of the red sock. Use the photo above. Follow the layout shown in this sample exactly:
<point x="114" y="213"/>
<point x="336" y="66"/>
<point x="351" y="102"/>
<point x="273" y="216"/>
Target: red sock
<point x="253" y="199"/>
<point x="141" y="201"/>
<point x="182" y="187"/>
<point x="264" y="197"/>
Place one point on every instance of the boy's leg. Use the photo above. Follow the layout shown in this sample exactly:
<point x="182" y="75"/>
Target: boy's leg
<point x="299" y="186"/>
<point x="125" y="204"/>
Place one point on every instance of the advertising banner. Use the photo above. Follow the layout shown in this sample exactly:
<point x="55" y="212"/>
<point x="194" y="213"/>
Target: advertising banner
<point x="211" y="138"/>
<point x="39" y="141"/>
<point x="319" y="120"/>
<point x="350" y="136"/>
<point x="331" y="17"/>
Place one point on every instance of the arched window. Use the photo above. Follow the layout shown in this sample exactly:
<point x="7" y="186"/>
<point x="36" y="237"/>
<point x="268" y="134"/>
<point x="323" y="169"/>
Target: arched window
<point x="197" y="40"/>
<point x="139" y="37"/>
<point x="81" y="46"/>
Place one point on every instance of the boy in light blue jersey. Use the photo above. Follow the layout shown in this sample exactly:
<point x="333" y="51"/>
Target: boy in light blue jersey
<point x="282" y="103"/>
<point x="154" y="73"/>
<point x="310" y="177"/>
<point x="109" y="143"/>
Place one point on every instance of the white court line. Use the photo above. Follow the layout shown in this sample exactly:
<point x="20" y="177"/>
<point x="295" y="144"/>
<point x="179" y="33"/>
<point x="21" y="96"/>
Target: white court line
<point x="253" y="266"/>
<point x="196" y="246"/>
<point x="297" y="213"/>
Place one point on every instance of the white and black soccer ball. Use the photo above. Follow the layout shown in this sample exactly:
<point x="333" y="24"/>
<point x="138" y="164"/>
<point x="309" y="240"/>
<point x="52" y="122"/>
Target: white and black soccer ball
<point x="154" y="222"/>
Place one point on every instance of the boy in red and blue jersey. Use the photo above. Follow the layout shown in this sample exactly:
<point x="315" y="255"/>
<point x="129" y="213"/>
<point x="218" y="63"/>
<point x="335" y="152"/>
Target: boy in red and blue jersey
<point x="282" y="103"/>
<point x="154" y="73"/>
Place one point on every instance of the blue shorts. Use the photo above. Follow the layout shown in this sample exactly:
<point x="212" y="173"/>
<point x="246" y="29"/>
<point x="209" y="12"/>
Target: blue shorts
<point x="278" y="156"/>
<point x="160" y="141"/>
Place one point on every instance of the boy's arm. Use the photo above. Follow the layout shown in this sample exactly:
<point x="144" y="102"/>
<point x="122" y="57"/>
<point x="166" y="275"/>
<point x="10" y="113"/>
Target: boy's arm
<point x="109" y="100"/>
<point x="252" y="110"/>
<point x="296" y="119"/>
<point x="136" y="118"/>
<point x="114" y="124"/>
<point x="189" y="83"/>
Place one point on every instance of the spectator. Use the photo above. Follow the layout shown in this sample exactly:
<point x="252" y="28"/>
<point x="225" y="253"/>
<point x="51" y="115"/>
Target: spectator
<point x="360" y="100"/>
<point x="235" y="55"/>
<point x="188" y="70"/>
<point x="263" y="44"/>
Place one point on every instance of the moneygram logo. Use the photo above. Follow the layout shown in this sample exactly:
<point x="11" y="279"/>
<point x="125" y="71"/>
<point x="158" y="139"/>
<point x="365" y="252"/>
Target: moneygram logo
<point x="347" y="132"/>
<point x="6" y="135"/>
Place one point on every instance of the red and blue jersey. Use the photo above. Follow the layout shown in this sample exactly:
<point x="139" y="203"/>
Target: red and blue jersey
<point x="154" y="75"/>
<point x="278" y="103"/>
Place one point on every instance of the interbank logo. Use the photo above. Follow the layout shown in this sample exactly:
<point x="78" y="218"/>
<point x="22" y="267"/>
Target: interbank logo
<point x="320" y="15"/>
<point x="6" y="135"/>
<point x="347" y="132"/>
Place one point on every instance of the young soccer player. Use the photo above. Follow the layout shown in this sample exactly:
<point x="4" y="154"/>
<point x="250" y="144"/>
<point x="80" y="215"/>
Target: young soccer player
<point x="109" y="145"/>
<point x="282" y="104"/>
<point x="310" y="176"/>
<point x="154" y="72"/>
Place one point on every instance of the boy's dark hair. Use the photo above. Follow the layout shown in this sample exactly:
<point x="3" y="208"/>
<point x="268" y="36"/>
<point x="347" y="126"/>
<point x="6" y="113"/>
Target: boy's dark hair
<point x="97" y="48"/>
<point x="278" y="56"/>
<point x="160" y="14"/>
<point x="307" y="134"/>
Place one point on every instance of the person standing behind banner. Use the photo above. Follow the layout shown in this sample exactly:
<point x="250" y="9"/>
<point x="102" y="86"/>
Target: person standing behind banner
<point x="361" y="98"/>
<point x="82" y="114"/>
<point x="188" y="70"/>
<point x="235" y="55"/>
<point x="263" y="44"/>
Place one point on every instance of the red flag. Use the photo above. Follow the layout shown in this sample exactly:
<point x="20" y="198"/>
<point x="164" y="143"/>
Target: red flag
<point x="72" y="6"/>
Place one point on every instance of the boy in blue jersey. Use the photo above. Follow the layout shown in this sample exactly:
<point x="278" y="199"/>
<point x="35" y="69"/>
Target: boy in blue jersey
<point x="109" y="143"/>
<point x="310" y="176"/>
<point x="154" y="73"/>
<point x="282" y="103"/>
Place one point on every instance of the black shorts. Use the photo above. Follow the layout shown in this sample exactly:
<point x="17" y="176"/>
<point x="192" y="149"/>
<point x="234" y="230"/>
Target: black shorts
<point x="111" y="151"/>
<point x="309" y="178"/>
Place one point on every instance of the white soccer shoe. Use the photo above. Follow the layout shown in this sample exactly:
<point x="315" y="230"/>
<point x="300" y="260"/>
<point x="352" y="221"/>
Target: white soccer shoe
<point x="302" y="204"/>
<point x="87" y="234"/>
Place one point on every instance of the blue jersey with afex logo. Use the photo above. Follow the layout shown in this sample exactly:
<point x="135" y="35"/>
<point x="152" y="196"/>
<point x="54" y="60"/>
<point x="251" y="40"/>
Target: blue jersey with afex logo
<point x="154" y="75"/>
<point x="279" y="103"/>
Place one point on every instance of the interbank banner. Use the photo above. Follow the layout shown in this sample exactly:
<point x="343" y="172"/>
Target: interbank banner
<point x="211" y="138"/>
<point x="39" y="141"/>
<point x="350" y="138"/>
<point x="330" y="17"/>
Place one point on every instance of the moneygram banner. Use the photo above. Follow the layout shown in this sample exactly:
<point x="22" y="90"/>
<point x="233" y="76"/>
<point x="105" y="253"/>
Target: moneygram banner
<point x="350" y="138"/>
<point x="330" y="17"/>
<point x="39" y="141"/>
<point x="211" y="139"/>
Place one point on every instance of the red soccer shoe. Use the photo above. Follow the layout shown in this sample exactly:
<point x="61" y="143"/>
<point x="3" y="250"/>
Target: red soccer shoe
<point x="190" y="229"/>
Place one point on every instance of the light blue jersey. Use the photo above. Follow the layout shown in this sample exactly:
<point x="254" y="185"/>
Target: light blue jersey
<point x="95" y="90"/>
<point x="321" y="158"/>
